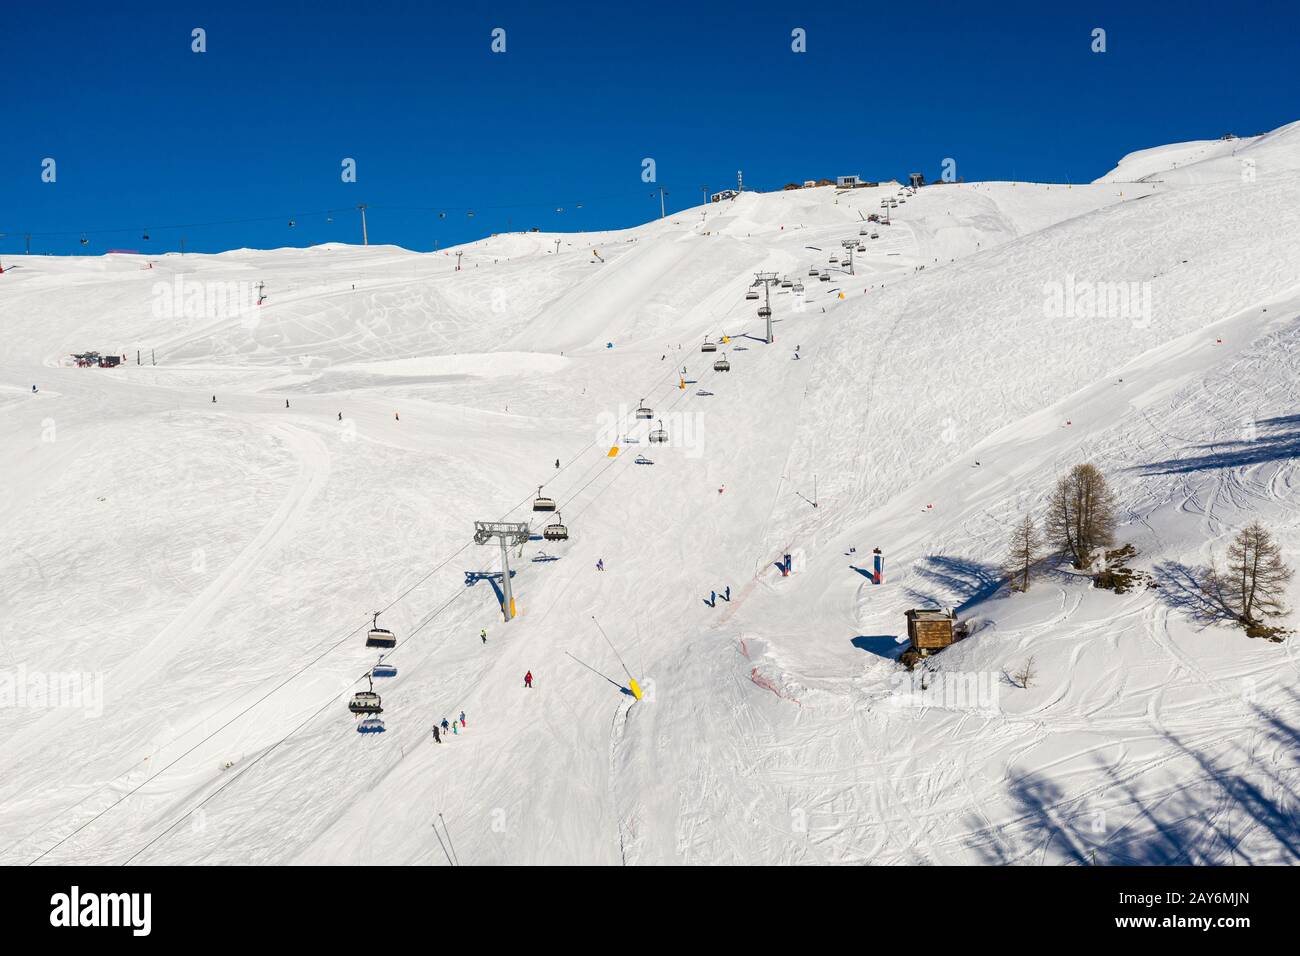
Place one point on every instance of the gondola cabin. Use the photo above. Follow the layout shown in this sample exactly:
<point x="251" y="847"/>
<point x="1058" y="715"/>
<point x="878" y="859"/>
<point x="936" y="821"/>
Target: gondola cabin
<point x="930" y="629"/>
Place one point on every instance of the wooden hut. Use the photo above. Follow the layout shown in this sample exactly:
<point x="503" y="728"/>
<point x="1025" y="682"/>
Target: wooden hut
<point x="930" y="629"/>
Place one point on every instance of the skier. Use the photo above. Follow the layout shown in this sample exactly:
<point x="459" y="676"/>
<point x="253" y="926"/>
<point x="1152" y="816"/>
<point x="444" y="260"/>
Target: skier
<point x="340" y="416"/>
<point x="445" y="725"/>
<point x="482" y="635"/>
<point x="528" y="679"/>
<point x="397" y="417"/>
<point x="437" y="737"/>
<point x="214" y="399"/>
<point x="557" y="463"/>
<point x="462" y="718"/>
<point x="727" y="596"/>
<point x="286" y="403"/>
<point x="600" y="564"/>
<point x="454" y="725"/>
<point x="721" y="489"/>
<point x="713" y="599"/>
<point x="33" y="389"/>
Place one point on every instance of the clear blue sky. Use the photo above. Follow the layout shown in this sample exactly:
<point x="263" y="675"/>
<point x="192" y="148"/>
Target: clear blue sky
<point x="148" y="135"/>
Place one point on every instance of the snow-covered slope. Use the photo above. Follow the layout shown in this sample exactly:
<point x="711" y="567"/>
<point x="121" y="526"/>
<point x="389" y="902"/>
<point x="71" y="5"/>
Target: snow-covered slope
<point x="216" y="563"/>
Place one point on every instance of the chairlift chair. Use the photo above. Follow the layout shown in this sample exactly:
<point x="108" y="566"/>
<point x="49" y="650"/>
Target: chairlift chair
<point x="798" y="287"/>
<point x="383" y="670"/>
<point x="722" y="365"/>
<point x="643" y="411"/>
<point x="556" y="531"/>
<point x="380" y="636"/>
<point x="366" y="701"/>
<point x="764" y="312"/>
<point x="542" y="503"/>
<point x="709" y="346"/>
<point x="658" y="436"/>
<point x="751" y="294"/>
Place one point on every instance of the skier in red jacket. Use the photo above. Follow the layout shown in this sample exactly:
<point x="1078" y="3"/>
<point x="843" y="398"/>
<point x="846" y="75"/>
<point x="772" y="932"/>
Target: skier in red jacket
<point x="528" y="679"/>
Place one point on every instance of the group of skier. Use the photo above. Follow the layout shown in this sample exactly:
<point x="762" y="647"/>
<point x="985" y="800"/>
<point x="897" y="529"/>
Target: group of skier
<point x="440" y="731"/>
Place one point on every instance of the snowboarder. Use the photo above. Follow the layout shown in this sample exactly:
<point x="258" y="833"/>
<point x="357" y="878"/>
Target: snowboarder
<point x="482" y="635"/>
<point x="528" y="679"/>
<point x="437" y="737"/>
<point x="600" y="564"/>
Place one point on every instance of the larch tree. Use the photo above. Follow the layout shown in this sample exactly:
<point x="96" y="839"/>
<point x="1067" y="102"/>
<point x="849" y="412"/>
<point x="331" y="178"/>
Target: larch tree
<point x="1081" y="516"/>
<point x="1025" y="550"/>
<point x="1256" y="577"/>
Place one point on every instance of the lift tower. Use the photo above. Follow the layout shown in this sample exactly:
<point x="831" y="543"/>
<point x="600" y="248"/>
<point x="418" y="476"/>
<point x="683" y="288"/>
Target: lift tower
<point x="765" y="310"/>
<point x="508" y="533"/>
<point x="850" y="245"/>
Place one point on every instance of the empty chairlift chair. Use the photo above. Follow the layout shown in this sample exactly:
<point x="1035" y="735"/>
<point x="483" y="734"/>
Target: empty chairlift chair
<point x="658" y="436"/>
<point x="644" y="411"/>
<point x="556" y="531"/>
<point x="752" y="293"/>
<point x="366" y="701"/>
<point x="722" y="365"/>
<point x="542" y="503"/>
<point x="709" y="346"/>
<point x="380" y="636"/>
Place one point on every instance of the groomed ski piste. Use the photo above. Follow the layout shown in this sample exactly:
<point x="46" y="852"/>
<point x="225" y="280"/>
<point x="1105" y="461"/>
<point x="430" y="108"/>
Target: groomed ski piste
<point x="216" y="564"/>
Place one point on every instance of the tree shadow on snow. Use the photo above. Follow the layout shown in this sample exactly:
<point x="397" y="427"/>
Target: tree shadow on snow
<point x="1185" y="589"/>
<point x="1277" y="440"/>
<point x="1234" y="807"/>
<point x="958" y="582"/>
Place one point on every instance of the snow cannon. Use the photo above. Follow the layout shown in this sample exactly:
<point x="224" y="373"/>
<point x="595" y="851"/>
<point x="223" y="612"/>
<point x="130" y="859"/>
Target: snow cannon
<point x="634" y="687"/>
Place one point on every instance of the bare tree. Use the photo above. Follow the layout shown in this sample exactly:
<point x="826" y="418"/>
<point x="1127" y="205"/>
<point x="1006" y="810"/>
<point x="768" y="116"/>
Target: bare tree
<point x="1081" y="517"/>
<point x="1256" y="578"/>
<point x="1025" y="676"/>
<point x="1026" y="544"/>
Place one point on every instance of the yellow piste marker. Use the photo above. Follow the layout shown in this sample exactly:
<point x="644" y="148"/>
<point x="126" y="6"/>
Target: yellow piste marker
<point x="613" y="452"/>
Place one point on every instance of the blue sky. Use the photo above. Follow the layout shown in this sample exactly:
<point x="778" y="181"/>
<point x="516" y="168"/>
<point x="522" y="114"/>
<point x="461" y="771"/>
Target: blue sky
<point x="148" y="135"/>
